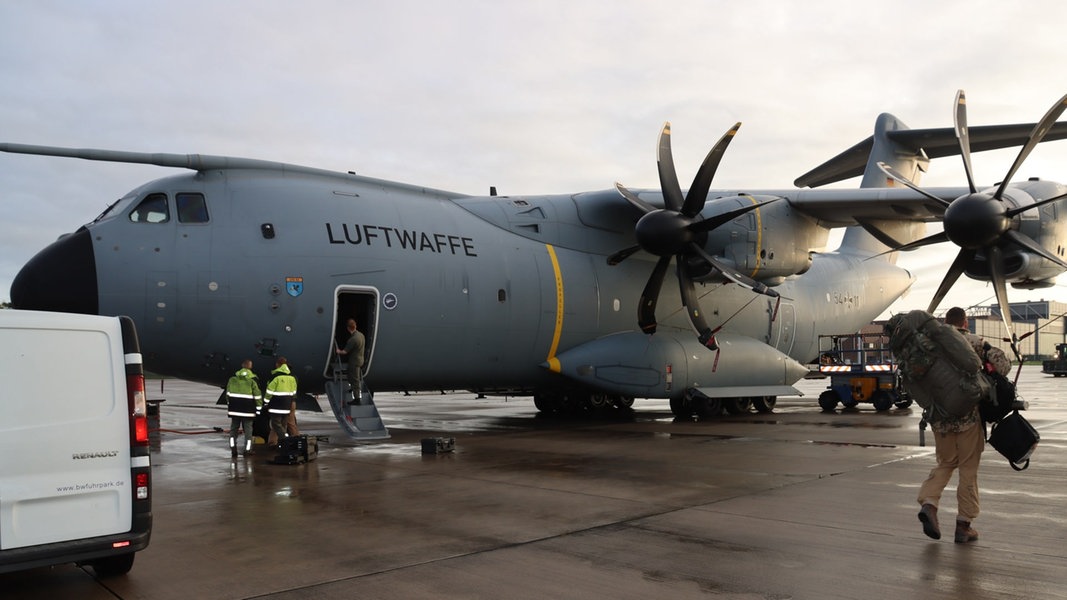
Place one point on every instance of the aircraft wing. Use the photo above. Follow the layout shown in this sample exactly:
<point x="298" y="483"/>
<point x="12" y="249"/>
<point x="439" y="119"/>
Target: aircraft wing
<point x="840" y="208"/>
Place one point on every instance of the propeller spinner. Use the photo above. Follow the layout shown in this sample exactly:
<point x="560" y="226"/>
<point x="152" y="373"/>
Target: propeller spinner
<point x="980" y="221"/>
<point x="674" y="232"/>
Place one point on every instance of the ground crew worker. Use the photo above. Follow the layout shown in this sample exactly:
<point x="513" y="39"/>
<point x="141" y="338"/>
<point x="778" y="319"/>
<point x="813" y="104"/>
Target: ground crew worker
<point x="243" y="403"/>
<point x="280" y="397"/>
<point x="353" y="353"/>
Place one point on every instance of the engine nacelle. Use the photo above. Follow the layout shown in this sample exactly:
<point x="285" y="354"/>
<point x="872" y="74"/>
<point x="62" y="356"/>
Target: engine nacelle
<point x="745" y="243"/>
<point x="665" y="365"/>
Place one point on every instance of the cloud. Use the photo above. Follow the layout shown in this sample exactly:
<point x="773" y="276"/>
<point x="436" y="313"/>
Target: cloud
<point x="544" y="97"/>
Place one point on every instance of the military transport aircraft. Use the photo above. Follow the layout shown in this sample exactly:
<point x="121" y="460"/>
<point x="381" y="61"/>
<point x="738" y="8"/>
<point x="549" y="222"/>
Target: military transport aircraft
<point x="558" y="296"/>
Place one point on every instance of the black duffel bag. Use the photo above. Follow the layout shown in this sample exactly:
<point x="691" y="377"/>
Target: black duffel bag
<point x="1015" y="438"/>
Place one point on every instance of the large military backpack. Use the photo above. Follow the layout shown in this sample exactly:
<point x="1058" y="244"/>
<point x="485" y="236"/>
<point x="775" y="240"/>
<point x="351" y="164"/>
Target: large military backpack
<point x="940" y="369"/>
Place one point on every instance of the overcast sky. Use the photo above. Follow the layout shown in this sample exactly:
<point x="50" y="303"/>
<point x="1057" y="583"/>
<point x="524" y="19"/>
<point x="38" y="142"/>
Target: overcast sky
<point x="534" y="97"/>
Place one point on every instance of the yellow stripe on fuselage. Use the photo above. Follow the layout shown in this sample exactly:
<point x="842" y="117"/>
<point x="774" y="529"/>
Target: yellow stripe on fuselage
<point x="553" y="362"/>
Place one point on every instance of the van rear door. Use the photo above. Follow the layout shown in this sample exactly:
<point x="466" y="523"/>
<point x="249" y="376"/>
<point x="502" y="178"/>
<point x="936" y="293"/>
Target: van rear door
<point x="65" y="472"/>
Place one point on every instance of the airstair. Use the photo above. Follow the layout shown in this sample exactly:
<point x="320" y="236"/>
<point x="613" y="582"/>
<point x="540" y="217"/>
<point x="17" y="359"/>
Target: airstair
<point x="360" y="421"/>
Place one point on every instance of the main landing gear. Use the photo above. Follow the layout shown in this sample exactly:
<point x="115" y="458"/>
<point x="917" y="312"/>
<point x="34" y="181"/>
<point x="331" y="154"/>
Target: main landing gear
<point x="696" y="404"/>
<point x="561" y="402"/>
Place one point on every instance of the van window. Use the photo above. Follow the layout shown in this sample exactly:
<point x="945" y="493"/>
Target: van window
<point x="191" y="208"/>
<point x="153" y="209"/>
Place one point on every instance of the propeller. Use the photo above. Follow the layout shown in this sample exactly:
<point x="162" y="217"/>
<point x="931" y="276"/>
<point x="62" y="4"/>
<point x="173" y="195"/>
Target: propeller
<point x="979" y="221"/>
<point x="677" y="230"/>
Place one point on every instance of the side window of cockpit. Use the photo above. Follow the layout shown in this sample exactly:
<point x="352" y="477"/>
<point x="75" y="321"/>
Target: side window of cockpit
<point x="191" y="208"/>
<point x="153" y="209"/>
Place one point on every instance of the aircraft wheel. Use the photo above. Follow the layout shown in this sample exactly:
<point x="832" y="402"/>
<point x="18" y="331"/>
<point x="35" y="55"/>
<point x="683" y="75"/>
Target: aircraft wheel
<point x="598" y="401"/>
<point x="737" y="406"/>
<point x="882" y="401"/>
<point x="708" y="408"/>
<point x="682" y="407"/>
<point x="764" y="404"/>
<point x="624" y="402"/>
<point x="828" y="400"/>
<point x="549" y="403"/>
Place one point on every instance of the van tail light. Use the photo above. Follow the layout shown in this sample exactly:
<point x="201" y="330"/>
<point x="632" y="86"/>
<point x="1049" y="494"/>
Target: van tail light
<point x="141" y="483"/>
<point x="138" y="409"/>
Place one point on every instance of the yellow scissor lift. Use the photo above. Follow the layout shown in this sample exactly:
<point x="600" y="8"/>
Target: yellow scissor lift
<point x="861" y="369"/>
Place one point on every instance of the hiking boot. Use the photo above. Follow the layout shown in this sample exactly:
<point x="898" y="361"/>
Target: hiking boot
<point x="928" y="516"/>
<point x="965" y="533"/>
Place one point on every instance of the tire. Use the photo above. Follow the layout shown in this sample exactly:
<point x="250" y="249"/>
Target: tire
<point x="707" y="408"/>
<point x="113" y="566"/>
<point x="682" y="407"/>
<point x="828" y="400"/>
<point x="764" y="404"/>
<point x="882" y="401"/>
<point x="737" y="406"/>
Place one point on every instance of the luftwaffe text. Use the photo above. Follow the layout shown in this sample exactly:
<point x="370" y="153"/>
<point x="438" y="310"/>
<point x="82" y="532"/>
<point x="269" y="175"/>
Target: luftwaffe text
<point x="405" y="239"/>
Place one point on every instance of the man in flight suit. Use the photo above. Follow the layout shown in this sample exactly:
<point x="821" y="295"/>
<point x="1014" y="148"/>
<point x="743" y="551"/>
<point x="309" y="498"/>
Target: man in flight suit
<point x="353" y="352"/>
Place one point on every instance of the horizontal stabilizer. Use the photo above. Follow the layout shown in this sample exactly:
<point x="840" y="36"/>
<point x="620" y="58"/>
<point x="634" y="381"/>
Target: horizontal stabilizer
<point x="934" y="143"/>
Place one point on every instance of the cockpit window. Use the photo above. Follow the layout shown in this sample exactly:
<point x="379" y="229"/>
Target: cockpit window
<point x="153" y="209"/>
<point x="191" y="208"/>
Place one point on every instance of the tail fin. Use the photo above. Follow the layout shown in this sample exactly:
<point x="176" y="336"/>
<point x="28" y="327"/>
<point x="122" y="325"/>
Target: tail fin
<point x="871" y="237"/>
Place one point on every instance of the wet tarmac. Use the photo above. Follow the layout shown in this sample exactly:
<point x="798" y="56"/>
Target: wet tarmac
<point x="794" y="504"/>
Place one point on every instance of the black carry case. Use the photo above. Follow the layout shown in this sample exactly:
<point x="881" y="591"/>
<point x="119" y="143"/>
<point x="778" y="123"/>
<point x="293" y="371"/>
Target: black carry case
<point x="296" y="449"/>
<point x="1015" y="438"/>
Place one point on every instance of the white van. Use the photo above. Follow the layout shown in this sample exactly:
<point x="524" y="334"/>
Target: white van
<point x="75" y="477"/>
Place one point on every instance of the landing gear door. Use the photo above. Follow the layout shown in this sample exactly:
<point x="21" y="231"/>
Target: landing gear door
<point x="361" y="304"/>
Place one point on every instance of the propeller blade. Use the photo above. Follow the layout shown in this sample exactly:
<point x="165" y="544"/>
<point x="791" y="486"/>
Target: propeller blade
<point x="733" y="274"/>
<point x="965" y="256"/>
<point x="898" y="177"/>
<point x="964" y="137"/>
<point x="698" y="192"/>
<point x="1028" y="242"/>
<point x="668" y="177"/>
<point x="726" y="217"/>
<point x="633" y="199"/>
<point x="936" y="238"/>
<point x="996" y="267"/>
<point x="646" y="307"/>
<point x="1011" y="213"/>
<point x="692" y="305"/>
<point x="1036" y="136"/>
<point x="622" y="255"/>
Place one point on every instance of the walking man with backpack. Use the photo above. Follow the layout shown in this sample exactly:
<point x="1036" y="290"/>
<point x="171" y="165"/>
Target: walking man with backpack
<point x="959" y="442"/>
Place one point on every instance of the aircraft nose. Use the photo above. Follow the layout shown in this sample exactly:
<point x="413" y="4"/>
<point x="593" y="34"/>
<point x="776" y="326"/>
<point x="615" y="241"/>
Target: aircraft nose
<point x="60" y="278"/>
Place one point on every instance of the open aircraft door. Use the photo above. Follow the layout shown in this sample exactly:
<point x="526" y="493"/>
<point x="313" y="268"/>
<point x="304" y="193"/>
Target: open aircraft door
<point x="360" y="303"/>
<point x="359" y="420"/>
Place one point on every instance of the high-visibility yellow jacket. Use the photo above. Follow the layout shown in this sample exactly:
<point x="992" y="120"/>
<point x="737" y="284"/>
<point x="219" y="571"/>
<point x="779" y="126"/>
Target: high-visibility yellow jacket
<point x="281" y="391"/>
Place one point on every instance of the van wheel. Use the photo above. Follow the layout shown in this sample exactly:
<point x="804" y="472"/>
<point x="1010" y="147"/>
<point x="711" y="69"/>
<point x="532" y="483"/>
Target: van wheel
<point x="113" y="565"/>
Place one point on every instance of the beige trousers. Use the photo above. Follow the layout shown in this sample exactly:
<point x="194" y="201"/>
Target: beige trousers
<point x="962" y="451"/>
